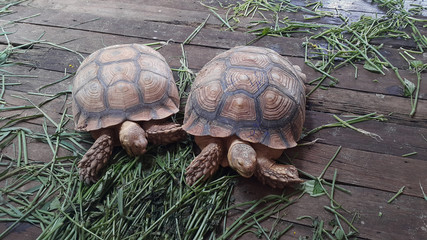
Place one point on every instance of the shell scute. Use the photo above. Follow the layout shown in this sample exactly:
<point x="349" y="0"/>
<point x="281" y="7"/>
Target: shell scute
<point x="114" y="72"/>
<point x="249" y="80"/>
<point x="152" y="86"/>
<point x="116" y="53"/>
<point x="239" y="107"/>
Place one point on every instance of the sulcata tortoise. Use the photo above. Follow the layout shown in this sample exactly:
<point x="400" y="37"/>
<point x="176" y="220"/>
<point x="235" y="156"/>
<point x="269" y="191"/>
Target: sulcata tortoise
<point x="121" y="95"/>
<point x="245" y="107"/>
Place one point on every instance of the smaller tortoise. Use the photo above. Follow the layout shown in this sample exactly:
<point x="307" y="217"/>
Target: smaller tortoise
<point x="245" y="107"/>
<point x="121" y="95"/>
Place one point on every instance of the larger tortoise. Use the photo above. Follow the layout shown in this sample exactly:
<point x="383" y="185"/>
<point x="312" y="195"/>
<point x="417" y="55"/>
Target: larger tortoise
<point x="121" y="94"/>
<point x="245" y="107"/>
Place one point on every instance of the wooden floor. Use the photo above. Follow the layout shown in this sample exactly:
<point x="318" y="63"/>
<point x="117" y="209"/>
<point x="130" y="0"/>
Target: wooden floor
<point x="372" y="169"/>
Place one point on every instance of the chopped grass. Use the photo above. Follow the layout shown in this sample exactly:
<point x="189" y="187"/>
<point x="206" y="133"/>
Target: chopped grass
<point x="329" y="47"/>
<point x="396" y="195"/>
<point x="196" y="31"/>
<point x="140" y="198"/>
<point x="409" y="154"/>
<point x="185" y="77"/>
<point x="422" y="190"/>
<point x="316" y="188"/>
<point x="258" y="211"/>
<point x="347" y="123"/>
<point x="364" y="132"/>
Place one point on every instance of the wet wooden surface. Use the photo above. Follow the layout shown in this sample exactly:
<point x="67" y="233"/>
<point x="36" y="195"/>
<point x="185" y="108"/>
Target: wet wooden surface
<point x="373" y="170"/>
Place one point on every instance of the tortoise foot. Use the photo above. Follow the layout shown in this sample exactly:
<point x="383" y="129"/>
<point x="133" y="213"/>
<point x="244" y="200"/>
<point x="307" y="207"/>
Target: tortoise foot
<point x="205" y="164"/>
<point x="163" y="133"/>
<point x="276" y="175"/>
<point x="95" y="159"/>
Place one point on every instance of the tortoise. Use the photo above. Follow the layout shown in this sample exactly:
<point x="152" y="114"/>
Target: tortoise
<point x="245" y="107"/>
<point x="122" y="95"/>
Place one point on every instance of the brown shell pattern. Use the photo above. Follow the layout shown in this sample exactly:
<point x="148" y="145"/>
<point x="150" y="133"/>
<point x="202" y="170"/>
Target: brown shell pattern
<point x="252" y="92"/>
<point x="123" y="82"/>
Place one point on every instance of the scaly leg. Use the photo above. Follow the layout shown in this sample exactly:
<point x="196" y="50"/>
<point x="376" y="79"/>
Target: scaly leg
<point x="96" y="158"/>
<point x="160" y="133"/>
<point x="271" y="173"/>
<point x="206" y="163"/>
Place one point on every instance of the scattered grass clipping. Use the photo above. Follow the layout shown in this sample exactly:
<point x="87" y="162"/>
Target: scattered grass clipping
<point x="329" y="47"/>
<point x="396" y="195"/>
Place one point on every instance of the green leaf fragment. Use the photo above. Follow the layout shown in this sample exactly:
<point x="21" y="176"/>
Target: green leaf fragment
<point x="396" y="195"/>
<point x="371" y="67"/>
<point x="55" y="204"/>
<point x="339" y="234"/>
<point x="409" y="87"/>
<point x="313" y="188"/>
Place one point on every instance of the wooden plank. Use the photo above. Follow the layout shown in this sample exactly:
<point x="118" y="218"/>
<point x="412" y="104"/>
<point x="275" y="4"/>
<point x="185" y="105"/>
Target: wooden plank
<point x="362" y="168"/>
<point x="23" y="231"/>
<point x="165" y="31"/>
<point x="181" y="12"/>
<point x="39" y="78"/>
<point x="404" y="218"/>
<point x="189" y="11"/>
<point x="395" y="139"/>
<point x="54" y="109"/>
<point x="340" y="101"/>
<point x="37" y="152"/>
<point x="271" y="224"/>
<point x="88" y="42"/>
<point x="197" y="56"/>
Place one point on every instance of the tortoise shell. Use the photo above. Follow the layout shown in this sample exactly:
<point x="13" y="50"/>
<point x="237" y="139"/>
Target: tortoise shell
<point x="250" y="92"/>
<point x="123" y="82"/>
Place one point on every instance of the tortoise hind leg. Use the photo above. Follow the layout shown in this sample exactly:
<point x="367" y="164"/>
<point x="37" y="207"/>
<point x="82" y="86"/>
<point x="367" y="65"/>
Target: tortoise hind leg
<point x="96" y="158"/>
<point x="271" y="173"/>
<point x="160" y="132"/>
<point x="206" y="163"/>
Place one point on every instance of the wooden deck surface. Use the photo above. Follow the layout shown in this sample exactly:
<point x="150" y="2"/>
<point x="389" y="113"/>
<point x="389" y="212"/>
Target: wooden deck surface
<point x="372" y="169"/>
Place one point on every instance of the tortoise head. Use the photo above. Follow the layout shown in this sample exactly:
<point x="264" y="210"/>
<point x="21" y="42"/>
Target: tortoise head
<point x="242" y="157"/>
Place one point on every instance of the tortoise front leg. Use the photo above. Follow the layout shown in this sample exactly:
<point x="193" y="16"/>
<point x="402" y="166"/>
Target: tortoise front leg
<point x="207" y="162"/>
<point x="272" y="173"/>
<point x="96" y="158"/>
<point x="133" y="138"/>
<point x="161" y="132"/>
